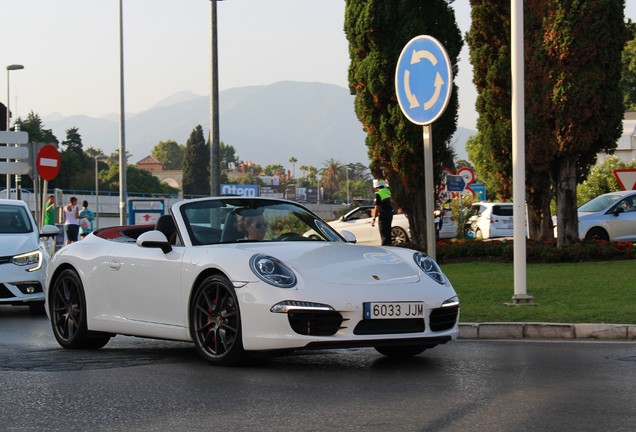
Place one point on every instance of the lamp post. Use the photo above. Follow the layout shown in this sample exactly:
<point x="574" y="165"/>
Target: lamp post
<point x="215" y="163"/>
<point x="347" y="178"/>
<point x="122" y="125"/>
<point x="9" y="69"/>
<point x="97" y="158"/>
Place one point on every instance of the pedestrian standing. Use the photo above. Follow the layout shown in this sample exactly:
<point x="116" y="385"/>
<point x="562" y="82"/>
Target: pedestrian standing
<point x="86" y="220"/>
<point x="71" y="221"/>
<point x="49" y="211"/>
<point x="383" y="210"/>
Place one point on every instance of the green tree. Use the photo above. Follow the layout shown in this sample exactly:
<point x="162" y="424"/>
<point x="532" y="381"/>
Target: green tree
<point x="573" y="102"/>
<point x="73" y="142"/>
<point x="228" y="155"/>
<point x="573" y="64"/>
<point x="489" y="43"/>
<point x="377" y="30"/>
<point x="137" y="180"/>
<point x="310" y="174"/>
<point x="35" y="128"/>
<point x="273" y="169"/>
<point x="196" y="164"/>
<point x="170" y="154"/>
<point x="293" y="160"/>
<point x="628" y="78"/>
<point x="330" y="177"/>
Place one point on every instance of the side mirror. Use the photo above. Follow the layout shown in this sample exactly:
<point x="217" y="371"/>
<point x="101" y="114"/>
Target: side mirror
<point x="348" y="236"/>
<point x="617" y="211"/>
<point x="154" y="239"/>
<point x="49" y="231"/>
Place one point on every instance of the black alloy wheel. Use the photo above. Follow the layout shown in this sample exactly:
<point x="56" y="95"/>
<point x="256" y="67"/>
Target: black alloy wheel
<point x="68" y="313"/>
<point x="215" y="322"/>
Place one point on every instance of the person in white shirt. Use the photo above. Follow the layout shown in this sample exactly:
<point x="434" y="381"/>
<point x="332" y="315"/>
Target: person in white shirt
<point x="71" y="221"/>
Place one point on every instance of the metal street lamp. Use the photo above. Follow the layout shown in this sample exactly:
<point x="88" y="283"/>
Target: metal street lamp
<point x="10" y="68"/>
<point x="215" y="163"/>
<point x="123" y="186"/>
<point x="97" y="158"/>
<point x="347" y="176"/>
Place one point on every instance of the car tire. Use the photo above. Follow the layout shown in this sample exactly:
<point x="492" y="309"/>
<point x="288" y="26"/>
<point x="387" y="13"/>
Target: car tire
<point x="67" y="309"/>
<point x="215" y="322"/>
<point x="399" y="237"/>
<point x="597" y="234"/>
<point x="402" y="351"/>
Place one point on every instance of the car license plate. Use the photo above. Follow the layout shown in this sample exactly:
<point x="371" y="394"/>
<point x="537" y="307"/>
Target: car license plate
<point x="393" y="310"/>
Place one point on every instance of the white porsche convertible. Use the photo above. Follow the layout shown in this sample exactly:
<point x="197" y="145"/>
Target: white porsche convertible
<point x="236" y="276"/>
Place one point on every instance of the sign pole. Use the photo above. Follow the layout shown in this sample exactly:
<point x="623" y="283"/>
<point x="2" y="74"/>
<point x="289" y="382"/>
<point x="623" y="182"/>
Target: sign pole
<point x="428" y="193"/>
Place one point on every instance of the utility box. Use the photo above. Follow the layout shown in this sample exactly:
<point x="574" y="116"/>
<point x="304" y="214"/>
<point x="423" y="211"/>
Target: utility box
<point x="143" y="211"/>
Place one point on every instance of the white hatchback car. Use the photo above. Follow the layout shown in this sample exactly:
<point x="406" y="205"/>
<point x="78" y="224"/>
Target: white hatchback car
<point x="489" y="220"/>
<point x="23" y="256"/>
<point x="611" y="216"/>
<point x="358" y="222"/>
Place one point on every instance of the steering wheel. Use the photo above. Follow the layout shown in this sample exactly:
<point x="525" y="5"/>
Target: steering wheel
<point x="289" y="236"/>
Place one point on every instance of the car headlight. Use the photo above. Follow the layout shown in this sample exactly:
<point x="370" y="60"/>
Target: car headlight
<point x="430" y="267"/>
<point x="30" y="258"/>
<point x="272" y="271"/>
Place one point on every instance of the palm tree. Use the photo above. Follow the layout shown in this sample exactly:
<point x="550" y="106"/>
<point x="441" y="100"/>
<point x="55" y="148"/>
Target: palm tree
<point x="331" y="176"/>
<point x="293" y="160"/>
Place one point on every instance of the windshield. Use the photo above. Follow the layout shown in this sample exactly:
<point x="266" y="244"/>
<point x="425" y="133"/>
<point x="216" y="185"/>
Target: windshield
<point x="599" y="203"/>
<point x="14" y="220"/>
<point x="233" y="220"/>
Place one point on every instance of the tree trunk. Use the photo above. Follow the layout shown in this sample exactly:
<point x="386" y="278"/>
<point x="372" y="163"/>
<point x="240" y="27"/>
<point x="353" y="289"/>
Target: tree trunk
<point x="567" y="219"/>
<point x="417" y="218"/>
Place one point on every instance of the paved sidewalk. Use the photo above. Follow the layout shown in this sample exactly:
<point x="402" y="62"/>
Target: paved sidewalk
<point x="514" y="330"/>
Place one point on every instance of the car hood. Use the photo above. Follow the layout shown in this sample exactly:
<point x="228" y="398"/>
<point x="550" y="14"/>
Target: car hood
<point x="11" y="244"/>
<point x="582" y="214"/>
<point x="342" y="263"/>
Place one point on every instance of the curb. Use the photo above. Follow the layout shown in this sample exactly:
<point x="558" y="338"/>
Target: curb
<point x="514" y="330"/>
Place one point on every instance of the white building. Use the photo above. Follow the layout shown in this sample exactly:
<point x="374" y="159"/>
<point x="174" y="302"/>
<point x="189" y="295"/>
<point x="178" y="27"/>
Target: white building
<point x="626" y="146"/>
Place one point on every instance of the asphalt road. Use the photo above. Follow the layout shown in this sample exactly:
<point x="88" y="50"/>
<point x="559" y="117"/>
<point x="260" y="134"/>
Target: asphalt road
<point x="468" y="385"/>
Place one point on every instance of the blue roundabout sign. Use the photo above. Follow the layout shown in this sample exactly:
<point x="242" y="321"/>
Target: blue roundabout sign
<point x="423" y="80"/>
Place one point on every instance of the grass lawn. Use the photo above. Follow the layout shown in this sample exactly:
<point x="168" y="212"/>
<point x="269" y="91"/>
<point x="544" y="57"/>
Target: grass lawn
<point x="586" y="292"/>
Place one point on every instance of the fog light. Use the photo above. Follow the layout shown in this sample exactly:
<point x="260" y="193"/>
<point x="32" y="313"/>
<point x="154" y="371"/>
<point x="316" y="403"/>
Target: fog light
<point x="30" y="290"/>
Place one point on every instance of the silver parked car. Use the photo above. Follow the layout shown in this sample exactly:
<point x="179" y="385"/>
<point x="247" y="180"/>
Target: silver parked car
<point x="23" y="256"/>
<point x="611" y="217"/>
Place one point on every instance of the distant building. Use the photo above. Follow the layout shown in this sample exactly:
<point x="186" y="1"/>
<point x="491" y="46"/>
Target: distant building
<point x="626" y="145"/>
<point x="150" y="164"/>
<point x="173" y="178"/>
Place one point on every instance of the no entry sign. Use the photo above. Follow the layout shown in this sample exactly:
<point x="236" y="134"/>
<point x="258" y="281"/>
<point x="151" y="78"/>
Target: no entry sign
<point x="48" y="162"/>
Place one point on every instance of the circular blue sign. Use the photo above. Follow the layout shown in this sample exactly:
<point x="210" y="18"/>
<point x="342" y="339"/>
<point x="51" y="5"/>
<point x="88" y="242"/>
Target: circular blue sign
<point x="423" y="80"/>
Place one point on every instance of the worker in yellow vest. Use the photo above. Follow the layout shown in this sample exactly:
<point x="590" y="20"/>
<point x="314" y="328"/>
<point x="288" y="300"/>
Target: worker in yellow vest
<point x="383" y="210"/>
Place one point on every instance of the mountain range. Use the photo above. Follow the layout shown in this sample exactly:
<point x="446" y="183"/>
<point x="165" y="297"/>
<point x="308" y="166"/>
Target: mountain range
<point x="267" y="124"/>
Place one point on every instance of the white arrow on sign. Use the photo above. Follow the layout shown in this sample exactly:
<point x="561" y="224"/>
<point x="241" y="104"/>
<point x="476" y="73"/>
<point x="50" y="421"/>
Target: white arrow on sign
<point x="626" y="178"/>
<point x="9" y="137"/>
<point x="14" y="168"/>
<point x="11" y="152"/>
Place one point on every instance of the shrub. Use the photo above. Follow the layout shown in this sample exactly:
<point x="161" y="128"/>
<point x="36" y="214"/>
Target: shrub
<point x="536" y="252"/>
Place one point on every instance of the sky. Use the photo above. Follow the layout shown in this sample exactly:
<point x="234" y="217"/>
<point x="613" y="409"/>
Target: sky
<point x="70" y="51"/>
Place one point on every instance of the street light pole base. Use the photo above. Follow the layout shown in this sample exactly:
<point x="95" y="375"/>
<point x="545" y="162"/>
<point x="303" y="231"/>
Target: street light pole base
<point x="522" y="300"/>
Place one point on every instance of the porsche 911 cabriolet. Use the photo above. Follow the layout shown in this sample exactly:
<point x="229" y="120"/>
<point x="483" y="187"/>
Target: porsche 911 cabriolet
<point x="239" y="276"/>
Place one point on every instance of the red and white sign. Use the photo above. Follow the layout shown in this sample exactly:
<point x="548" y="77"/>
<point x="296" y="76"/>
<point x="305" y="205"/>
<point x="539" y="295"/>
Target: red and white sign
<point x="626" y="178"/>
<point x="48" y="162"/>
